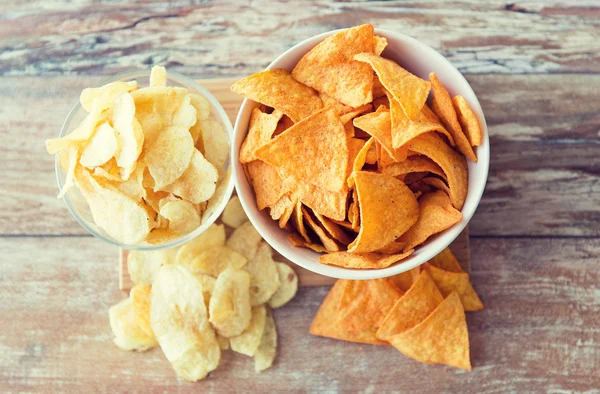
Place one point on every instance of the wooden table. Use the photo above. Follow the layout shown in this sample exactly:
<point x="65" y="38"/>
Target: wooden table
<point x="535" y="238"/>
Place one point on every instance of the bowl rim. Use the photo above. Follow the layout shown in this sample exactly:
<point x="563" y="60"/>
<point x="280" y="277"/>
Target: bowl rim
<point x="425" y="253"/>
<point x="228" y="177"/>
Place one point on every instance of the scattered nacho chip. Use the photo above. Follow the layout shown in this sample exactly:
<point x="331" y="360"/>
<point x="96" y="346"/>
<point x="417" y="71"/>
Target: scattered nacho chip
<point x="247" y="343"/>
<point x="362" y="260"/>
<point x="260" y="129"/>
<point x="288" y="288"/>
<point x="458" y="282"/>
<point x="468" y="120"/>
<point x="446" y="261"/>
<point x="404" y="280"/>
<point x="327" y="240"/>
<point x="265" y="354"/>
<point x="230" y="311"/>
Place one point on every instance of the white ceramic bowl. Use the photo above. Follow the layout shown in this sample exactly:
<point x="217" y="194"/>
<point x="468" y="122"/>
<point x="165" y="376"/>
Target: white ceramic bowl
<point x="419" y="59"/>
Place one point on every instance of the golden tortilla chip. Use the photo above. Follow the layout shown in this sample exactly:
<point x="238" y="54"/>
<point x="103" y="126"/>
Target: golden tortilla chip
<point x="267" y="184"/>
<point x="330" y="66"/>
<point x="371" y="157"/>
<point x="347" y="117"/>
<point x="442" y="338"/>
<point x="359" y="160"/>
<point x="261" y="128"/>
<point x="378" y="90"/>
<point x="380" y="44"/>
<point x="444" y="109"/>
<point x="392" y="248"/>
<point x="333" y="229"/>
<point x="381" y="102"/>
<point x="328" y="241"/>
<point x="388" y="208"/>
<point x="453" y="165"/>
<point x="436" y="214"/>
<point x="468" y="120"/>
<point x="378" y="125"/>
<point x="410" y="90"/>
<point x="314" y="150"/>
<point x="415" y="163"/>
<point x="277" y="89"/>
<point x="404" y="281"/>
<point x="458" y="282"/>
<point x="353" y="212"/>
<point x="437" y="183"/>
<point x="363" y="260"/>
<point x="446" y="261"/>
<point x="338" y="107"/>
<point x="298" y="221"/>
<point x="299" y="242"/>
<point x="327" y="203"/>
<point x="284" y="124"/>
<point x="350" y="130"/>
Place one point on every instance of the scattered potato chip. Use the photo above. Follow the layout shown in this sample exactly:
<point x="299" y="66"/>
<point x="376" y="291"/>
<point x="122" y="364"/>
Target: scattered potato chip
<point x="212" y="236"/>
<point x="197" y="183"/>
<point x="330" y="66"/>
<point x="158" y="76"/>
<point x="125" y="327"/>
<point x="264" y="277"/>
<point x="140" y="300"/>
<point x="234" y="215"/>
<point x="230" y="311"/>
<point x="223" y="342"/>
<point x="208" y="287"/>
<point x="169" y="155"/>
<point x="248" y="342"/>
<point x="288" y="288"/>
<point x="101" y="147"/>
<point x="215" y="260"/>
<point x="277" y="89"/>
<point x="267" y="350"/>
<point x="362" y="260"/>
<point x="458" y="282"/>
<point x="446" y="261"/>
<point x="245" y="240"/>
<point x="261" y="128"/>
<point x="467" y="120"/>
<point x="105" y="94"/>
<point x="183" y="217"/>
<point x="143" y="266"/>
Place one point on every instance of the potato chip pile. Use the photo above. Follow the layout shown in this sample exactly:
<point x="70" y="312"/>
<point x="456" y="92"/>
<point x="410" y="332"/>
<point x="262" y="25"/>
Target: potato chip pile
<point x="204" y="297"/>
<point x="150" y="162"/>
<point x="348" y="156"/>
<point x="420" y="312"/>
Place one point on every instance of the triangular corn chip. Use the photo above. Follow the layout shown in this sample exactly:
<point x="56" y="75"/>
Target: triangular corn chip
<point x="458" y="282"/>
<point x="378" y="125"/>
<point x="261" y="128"/>
<point x="268" y="186"/>
<point x="414" y="163"/>
<point x="468" y="120"/>
<point x="363" y="260"/>
<point x="446" y="261"/>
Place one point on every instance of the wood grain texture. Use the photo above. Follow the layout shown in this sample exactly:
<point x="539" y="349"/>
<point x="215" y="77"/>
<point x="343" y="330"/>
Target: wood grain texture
<point x="544" y="143"/>
<point x="538" y="331"/>
<point x="217" y="38"/>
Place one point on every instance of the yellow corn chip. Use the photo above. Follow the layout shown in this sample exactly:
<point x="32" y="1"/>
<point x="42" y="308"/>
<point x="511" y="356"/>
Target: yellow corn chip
<point x="328" y="241"/>
<point x="363" y="260"/>
<point x="405" y="280"/>
<point x="347" y="117"/>
<point x="298" y="241"/>
<point x="378" y="124"/>
<point x="458" y="282"/>
<point x="360" y="160"/>
<point x="261" y="128"/>
<point x="267" y="184"/>
<point x="412" y="164"/>
<point x="333" y="229"/>
<point x="445" y="260"/>
<point x="437" y="183"/>
<point x="380" y="44"/>
<point x="468" y="120"/>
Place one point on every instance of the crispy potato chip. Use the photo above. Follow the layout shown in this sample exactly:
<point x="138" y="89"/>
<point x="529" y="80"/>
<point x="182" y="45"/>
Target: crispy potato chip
<point x="360" y="159"/>
<point x="264" y="278"/>
<point x="334" y="230"/>
<point x="387" y="210"/>
<point x="347" y="118"/>
<point x="212" y="205"/>
<point x="245" y="240"/>
<point x="267" y="350"/>
<point x="298" y="241"/>
<point x="158" y="76"/>
<point x="412" y="308"/>
<point x="330" y="66"/>
<point x="468" y="120"/>
<point x="266" y="182"/>
<point x="230" y="311"/>
<point x="180" y="322"/>
<point x="248" y="342"/>
<point x="155" y="106"/>
<point x="143" y="266"/>
<point x="185" y="115"/>
<point x="327" y="240"/>
<point x="169" y="155"/>
<point x="444" y="109"/>
<point x="277" y="89"/>
<point x="436" y="214"/>
<point x="105" y="94"/>
<point x="234" y="215"/>
<point x="215" y="260"/>
<point x="380" y="44"/>
<point x="70" y="157"/>
<point x="437" y="183"/>
<point x="212" y="236"/>
<point x="288" y="288"/>
<point x="183" y="217"/>
<point x="442" y="338"/>
<point x="101" y="147"/>
<point x="140" y="300"/>
<point x="80" y="135"/>
<point x="208" y="287"/>
<point x="125" y="327"/>
<point x="453" y="165"/>
<point x="197" y="183"/>
<point x="202" y="106"/>
<point x="261" y="128"/>
<point x="378" y="125"/>
<point x="404" y="281"/>
<point x="446" y="261"/>
<point x="458" y="282"/>
<point x="215" y="142"/>
<point x="223" y="342"/>
<point x="412" y="164"/>
<point x="314" y="150"/>
<point x="362" y="260"/>
<point x="410" y="90"/>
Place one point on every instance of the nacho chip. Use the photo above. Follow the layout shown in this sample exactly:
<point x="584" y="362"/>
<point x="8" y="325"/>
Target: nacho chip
<point x="330" y="66"/>
<point x="328" y="241"/>
<point x="404" y="280"/>
<point x="277" y="89"/>
<point x="360" y="160"/>
<point x="298" y="221"/>
<point x="412" y="164"/>
<point x="266" y="182"/>
<point x="468" y="120"/>
<point x="412" y="308"/>
<point x="371" y="157"/>
<point x="248" y="342"/>
<point x="346" y="118"/>
<point x="392" y="248"/>
<point x="350" y="130"/>
<point x="410" y="90"/>
<point x="333" y="229"/>
<point x="284" y="124"/>
<point x="198" y="182"/>
<point x="378" y="125"/>
<point x="453" y="165"/>
<point x="444" y="109"/>
<point x="378" y="91"/>
<point x="314" y="150"/>
<point x="436" y="214"/>
<point x="287" y="212"/>
<point x="380" y="44"/>
<point x="446" y="261"/>
<point x="442" y="338"/>
<point x="327" y="203"/>
<point x="458" y="282"/>
<point x="363" y="260"/>
<point x="261" y="128"/>
<point x="299" y="242"/>
<point x="339" y="108"/>
<point x="387" y="210"/>
<point x="436" y="183"/>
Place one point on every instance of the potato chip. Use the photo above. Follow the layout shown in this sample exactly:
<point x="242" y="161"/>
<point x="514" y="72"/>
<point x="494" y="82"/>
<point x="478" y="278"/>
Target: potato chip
<point x="380" y="44"/>
<point x="332" y="229"/>
<point x="444" y="109"/>
<point x="288" y="288"/>
<point x="215" y="260"/>
<point x="436" y="214"/>
<point x="412" y="308"/>
<point x="71" y="164"/>
<point x="197" y="183"/>
<point x="346" y="118"/>
<point x="248" y="342"/>
<point x="208" y="287"/>
<point x="212" y="236"/>
<point x="264" y="277"/>
<point x="211" y="206"/>
<point x="105" y="94"/>
<point x="442" y="338"/>
<point x="169" y="155"/>
<point x="245" y="240"/>
<point x="234" y="215"/>
<point x="468" y="120"/>
<point x="453" y="164"/>
<point x="330" y="66"/>
<point x="216" y="143"/>
<point x="143" y="266"/>
<point x="458" y="282"/>
<point x="404" y="280"/>
<point x="185" y="115"/>
<point x="203" y="108"/>
<point x="267" y="350"/>
<point x="412" y="164"/>
<point x="446" y="261"/>
<point x="101" y="147"/>
<point x="360" y="160"/>
<point x="382" y="196"/>
<point x="410" y="90"/>
<point x="266" y="182"/>
<point x="362" y="260"/>
<point x="314" y="150"/>
<point x="183" y="217"/>
<point x="230" y="311"/>
<point x="140" y="300"/>
<point x="277" y="89"/>
<point x="154" y="108"/>
<point x="223" y="342"/>
<point x="80" y="135"/>
<point x="125" y="327"/>
<point x="260" y="129"/>
<point x="158" y="76"/>
<point x="378" y="125"/>
<point x="180" y="322"/>
<point x="327" y="240"/>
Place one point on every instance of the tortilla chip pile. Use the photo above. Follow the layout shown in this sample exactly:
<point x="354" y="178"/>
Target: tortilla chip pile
<point x="347" y="155"/>
<point x="420" y="312"/>
<point x="150" y="162"/>
<point x="204" y="297"/>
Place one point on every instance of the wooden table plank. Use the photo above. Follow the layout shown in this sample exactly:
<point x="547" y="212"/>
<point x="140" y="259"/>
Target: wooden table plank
<point x="204" y="40"/>
<point x="544" y="143"/>
<point x="538" y="332"/>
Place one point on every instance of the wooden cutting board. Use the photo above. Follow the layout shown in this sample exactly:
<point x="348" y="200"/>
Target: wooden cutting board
<point x="231" y="103"/>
